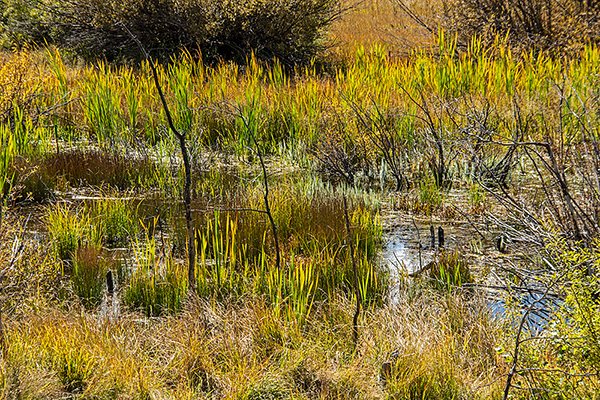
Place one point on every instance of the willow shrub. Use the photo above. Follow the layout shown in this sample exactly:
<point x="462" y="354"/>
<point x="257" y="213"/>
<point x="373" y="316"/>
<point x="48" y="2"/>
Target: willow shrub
<point x="289" y="30"/>
<point x="557" y="26"/>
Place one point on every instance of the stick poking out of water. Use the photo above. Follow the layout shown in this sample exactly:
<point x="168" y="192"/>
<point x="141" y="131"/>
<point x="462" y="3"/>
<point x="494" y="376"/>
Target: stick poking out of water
<point x="355" y="268"/>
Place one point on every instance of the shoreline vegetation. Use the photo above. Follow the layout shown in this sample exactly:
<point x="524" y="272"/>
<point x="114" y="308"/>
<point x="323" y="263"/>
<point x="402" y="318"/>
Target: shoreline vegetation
<point x="299" y="175"/>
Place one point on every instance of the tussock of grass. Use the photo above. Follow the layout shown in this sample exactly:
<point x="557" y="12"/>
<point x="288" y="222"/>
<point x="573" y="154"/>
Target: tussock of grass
<point x="95" y="167"/>
<point x="88" y="275"/>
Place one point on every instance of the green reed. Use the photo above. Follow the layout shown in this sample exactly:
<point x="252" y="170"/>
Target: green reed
<point x="223" y="268"/>
<point x="69" y="229"/>
<point x="114" y="218"/>
<point x="157" y="283"/>
<point x="88" y="275"/>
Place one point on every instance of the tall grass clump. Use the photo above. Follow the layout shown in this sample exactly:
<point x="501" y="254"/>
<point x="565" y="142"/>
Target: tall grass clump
<point x="75" y="368"/>
<point x="114" y="218"/>
<point x="156" y="283"/>
<point x="96" y="167"/>
<point x="69" y="229"/>
<point x="450" y="271"/>
<point x="224" y="264"/>
<point x="309" y="205"/>
<point x="236" y="248"/>
<point x="7" y="153"/>
<point x="88" y="275"/>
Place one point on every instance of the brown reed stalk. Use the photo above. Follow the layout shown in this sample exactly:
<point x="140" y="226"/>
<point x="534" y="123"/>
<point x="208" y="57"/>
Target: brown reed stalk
<point x="355" y="268"/>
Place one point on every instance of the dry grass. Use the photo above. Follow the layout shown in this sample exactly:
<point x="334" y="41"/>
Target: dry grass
<point x="241" y="349"/>
<point x="243" y="346"/>
<point x="382" y="22"/>
<point x="237" y="348"/>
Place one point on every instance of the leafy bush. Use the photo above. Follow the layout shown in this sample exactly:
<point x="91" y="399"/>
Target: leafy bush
<point x="289" y="30"/>
<point x="19" y="84"/>
<point x="558" y="26"/>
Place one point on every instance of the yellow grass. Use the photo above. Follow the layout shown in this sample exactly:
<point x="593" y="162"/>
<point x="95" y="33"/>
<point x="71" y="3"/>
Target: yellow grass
<point x="377" y="22"/>
<point x="235" y="350"/>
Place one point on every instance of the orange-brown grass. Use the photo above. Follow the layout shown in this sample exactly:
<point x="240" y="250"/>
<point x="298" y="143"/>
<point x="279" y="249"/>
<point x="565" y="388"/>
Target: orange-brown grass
<point x="377" y="22"/>
<point x="77" y="167"/>
<point x="242" y="349"/>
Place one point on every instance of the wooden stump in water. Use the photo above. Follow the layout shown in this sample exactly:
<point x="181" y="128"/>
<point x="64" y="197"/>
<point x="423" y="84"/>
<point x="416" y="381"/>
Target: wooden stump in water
<point x="432" y="232"/>
<point x="109" y="283"/>
<point x="387" y="368"/>
<point x="501" y="244"/>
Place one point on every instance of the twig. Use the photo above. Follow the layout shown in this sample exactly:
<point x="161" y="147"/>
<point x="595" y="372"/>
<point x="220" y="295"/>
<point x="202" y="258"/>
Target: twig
<point x="355" y="268"/>
<point x="186" y="163"/>
<point x="414" y="16"/>
<point x="266" y="194"/>
<point x="513" y="369"/>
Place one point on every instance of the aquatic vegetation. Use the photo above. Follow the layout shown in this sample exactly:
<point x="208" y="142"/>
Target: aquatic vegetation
<point x="88" y="275"/>
<point x="157" y="283"/>
<point x="69" y="229"/>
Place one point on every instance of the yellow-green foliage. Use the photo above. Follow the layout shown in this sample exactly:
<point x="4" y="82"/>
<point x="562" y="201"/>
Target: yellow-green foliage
<point x="117" y="105"/>
<point x="564" y="355"/>
<point x="257" y="331"/>
<point x="69" y="229"/>
<point x="21" y="78"/>
<point x="7" y="152"/>
<point x="114" y="219"/>
<point x="88" y="275"/>
<point x="450" y="271"/>
<point x="157" y="283"/>
<point x="236" y="248"/>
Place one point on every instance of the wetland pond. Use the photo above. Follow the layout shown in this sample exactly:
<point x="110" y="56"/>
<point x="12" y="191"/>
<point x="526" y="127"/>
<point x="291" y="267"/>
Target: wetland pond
<point x="409" y="244"/>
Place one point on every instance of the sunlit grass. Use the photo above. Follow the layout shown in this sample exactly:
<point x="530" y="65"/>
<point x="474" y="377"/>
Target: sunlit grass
<point x="251" y="330"/>
<point x="234" y="349"/>
<point x="70" y="229"/>
<point x="114" y="106"/>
